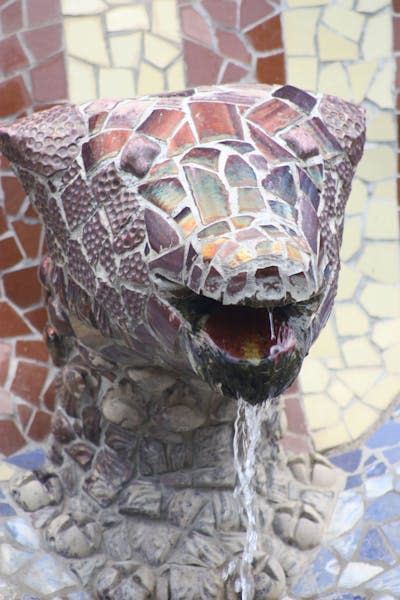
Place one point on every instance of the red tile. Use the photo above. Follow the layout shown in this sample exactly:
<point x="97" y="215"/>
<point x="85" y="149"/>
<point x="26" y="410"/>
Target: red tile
<point x="223" y="12"/>
<point x="14" y="96"/>
<point x="295" y="415"/>
<point x="11" y="439"/>
<point x="31" y="349"/>
<point x="267" y="35"/>
<point x="233" y="73"/>
<point x="11" y="323"/>
<point x="24" y="414"/>
<point x="49" y="80"/>
<point x="28" y="381"/>
<point x="11" y="17"/>
<point x="271" y="69"/>
<point x="23" y="287"/>
<point x="42" y="11"/>
<point x="29" y="235"/>
<point x="14" y="194"/>
<point x="161" y="123"/>
<point x="3" y="221"/>
<point x="396" y="6"/>
<point x="38" y="318"/>
<point x="44" y="41"/>
<point x="102" y="146"/>
<point x="6" y="403"/>
<point x="202" y="64"/>
<point x="49" y="396"/>
<point x="40" y="427"/>
<point x="5" y="356"/>
<point x="12" y="56"/>
<point x="31" y="213"/>
<point x="269" y="148"/>
<point x="182" y="139"/>
<point x="296" y="444"/>
<point x="231" y="45"/>
<point x="252" y="11"/>
<point x="9" y="253"/>
<point x="273" y="115"/>
<point x="396" y="33"/>
<point x="216" y="120"/>
<point x="194" y="26"/>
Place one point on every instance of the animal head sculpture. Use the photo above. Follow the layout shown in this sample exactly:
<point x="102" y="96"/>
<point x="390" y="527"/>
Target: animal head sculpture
<point x="197" y="230"/>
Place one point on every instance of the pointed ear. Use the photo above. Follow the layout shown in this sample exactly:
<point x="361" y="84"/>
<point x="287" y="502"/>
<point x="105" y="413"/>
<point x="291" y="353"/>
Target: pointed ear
<point x="44" y="142"/>
<point x="346" y="121"/>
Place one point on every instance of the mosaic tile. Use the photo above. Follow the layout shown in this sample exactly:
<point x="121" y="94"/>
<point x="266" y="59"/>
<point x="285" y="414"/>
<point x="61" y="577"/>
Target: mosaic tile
<point x="321" y="411"/>
<point x="315" y="376"/>
<point x="333" y="79"/>
<point x="6" y="511"/>
<point x="71" y="7"/>
<point x="120" y="81"/>
<point x="158" y="51"/>
<point x="380" y="300"/>
<point x="359" y="418"/>
<point x="318" y="579"/>
<point x="347" y="513"/>
<point x="12" y="560"/>
<point x="34" y="459"/>
<point x="302" y="71"/>
<point x="150" y="80"/>
<point x="360" y="75"/>
<point x="356" y="573"/>
<point x="377" y="26"/>
<point x="378" y="486"/>
<point x="389" y="581"/>
<point x="127" y="18"/>
<point x="125" y="50"/>
<point x="382" y="128"/>
<point x="22" y="532"/>
<point x="15" y="97"/>
<point x="94" y="51"/>
<point x="351" y="320"/>
<point x="351" y="238"/>
<point x="46" y="576"/>
<point x="81" y="80"/>
<point x="271" y="69"/>
<point x="349" y="461"/>
<point x="340" y="393"/>
<point x="299" y="27"/>
<point x="165" y="20"/>
<point x="267" y="35"/>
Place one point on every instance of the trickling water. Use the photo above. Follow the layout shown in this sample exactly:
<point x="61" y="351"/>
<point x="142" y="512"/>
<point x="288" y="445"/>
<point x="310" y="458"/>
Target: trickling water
<point x="247" y="433"/>
<point x="271" y="323"/>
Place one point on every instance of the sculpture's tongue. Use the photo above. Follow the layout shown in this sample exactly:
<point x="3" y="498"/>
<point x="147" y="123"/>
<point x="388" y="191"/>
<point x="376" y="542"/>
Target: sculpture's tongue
<point x="243" y="332"/>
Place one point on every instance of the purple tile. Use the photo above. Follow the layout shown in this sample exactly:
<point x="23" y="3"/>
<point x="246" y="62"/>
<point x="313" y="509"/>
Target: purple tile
<point x="349" y="461"/>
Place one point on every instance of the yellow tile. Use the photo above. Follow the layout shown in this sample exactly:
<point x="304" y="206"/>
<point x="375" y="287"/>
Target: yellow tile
<point x="386" y="333"/>
<point x="126" y="49"/>
<point x="151" y="80"/>
<point x="384" y="392"/>
<point x="335" y="47"/>
<point x="330" y="437"/>
<point x="299" y="31"/>
<point x="351" y="238"/>
<point x="176" y="76"/>
<point x="302" y="72"/>
<point x="158" y="51"/>
<point x="314" y="377"/>
<point x="378" y="27"/>
<point x="127" y="17"/>
<point x="351" y="319"/>
<point x="90" y="30"/>
<point x="360" y="380"/>
<point x="340" y="393"/>
<point x="382" y="221"/>
<point x="326" y="344"/>
<point x="380" y="261"/>
<point x="382" y="128"/>
<point x="77" y="7"/>
<point x="391" y="360"/>
<point x="381" y="300"/>
<point x="370" y="6"/>
<point x="81" y="81"/>
<point x="358" y="198"/>
<point x="116" y="82"/>
<point x="346" y="22"/>
<point x="165" y="20"/>
<point x="380" y="91"/>
<point x="334" y="363"/>
<point x="377" y="163"/>
<point x="360" y="353"/>
<point x="333" y="80"/>
<point x="321" y="411"/>
<point x="386" y="190"/>
<point x="348" y="282"/>
<point x="6" y="472"/>
<point x="359" y="419"/>
<point x="361" y="75"/>
<point x="347" y="4"/>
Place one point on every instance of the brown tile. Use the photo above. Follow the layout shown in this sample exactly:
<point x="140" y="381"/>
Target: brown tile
<point x="29" y="235"/>
<point x="24" y="414"/>
<point x="233" y="73"/>
<point x="31" y="213"/>
<point x="38" y="318"/>
<point x="11" y="17"/>
<point x="202" y="64"/>
<point x="396" y="6"/>
<point x="31" y="350"/>
<point x="4" y="163"/>
<point x="49" y="80"/>
<point x="11" y="439"/>
<point x="3" y="221"/>
<point x="12" y="56"/>
<point x="49" y="397"/>
<point x="14" y="194"/>
<point x="9" y="253"/>
<point x="11" y="323"/>
<point x="40" y="427"/>
<point x="194" y="26"/>
<point x="182" y="139"/>
<point x="5" y="356"/>
<point x="396" y="33"/>
<point x="14" y="96"/>
<point x="42" y="11"/>
<point x="216" y="120"/>
<point x="28" y="381"/>
<point x="23" y="287"/>
<point x="44" y="41"/>
<point x="6" y="403"/>
<point x="161" y="123"/>
<point x="231" y="45"/>
<point x="267" y="35"/>
<point x="273" y="115"/>
<point x="271" y="69"/>
<point x="222" y="12"/>
<point x="102" y="146"/>
<point x="252" y="11"/>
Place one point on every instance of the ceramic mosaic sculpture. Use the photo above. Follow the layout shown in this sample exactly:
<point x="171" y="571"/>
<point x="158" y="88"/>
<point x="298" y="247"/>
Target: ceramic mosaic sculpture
<point x="193" y="243"/>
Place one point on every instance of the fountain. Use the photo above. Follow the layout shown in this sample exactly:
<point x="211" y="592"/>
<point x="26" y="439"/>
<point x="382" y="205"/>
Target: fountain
<point x="193" y="255"/>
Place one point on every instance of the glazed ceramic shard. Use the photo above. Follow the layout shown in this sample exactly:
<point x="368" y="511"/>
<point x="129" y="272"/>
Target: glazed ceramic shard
<point x="196" y="230"/>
